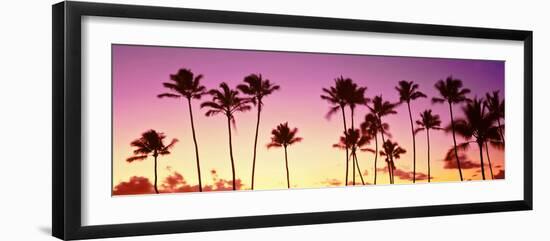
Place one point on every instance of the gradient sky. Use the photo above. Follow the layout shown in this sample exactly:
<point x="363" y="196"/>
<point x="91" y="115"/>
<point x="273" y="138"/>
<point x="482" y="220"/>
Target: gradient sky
<point x="138" y="73"/>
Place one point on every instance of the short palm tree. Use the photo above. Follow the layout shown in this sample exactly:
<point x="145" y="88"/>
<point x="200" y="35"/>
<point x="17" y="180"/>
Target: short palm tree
<point x="477" y="124"/>
<point x="337" y="96"/>
<point x="353" y="140"/>
<point x="370" y="127"/>
<point x="227" y="101"/>
<point x="392" y="151"/>
<point x="380" y="108"/>
<point x="452" y="92"/>
<point x="185" y="84"/>
<point x="257" y="88"/>
<point x="151" y="143"/>
<point x="284" y="136"/>
<point x="408" y="91"/>
<point x="427" y="122"/>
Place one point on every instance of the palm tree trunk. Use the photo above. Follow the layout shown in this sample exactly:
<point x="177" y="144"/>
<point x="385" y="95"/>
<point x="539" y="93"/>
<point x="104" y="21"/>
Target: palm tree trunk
<point x="352" y="152"/>
<point x="384" y="141"/>
<point x="195" y="141"/>
<point x="256" y="143"/>
<point x="156" y="189"/>
<point x="231" y="151"/>
<point x="358" y="168"/>
<point x="454" y="141"/>
<point x="353" y="163"/>
<point x="375" y="157"/>
<point x="428" y="141"/>
<point x="500" y="131"/>
<point x="287" y="175"/>
<point x="480" y="144"/>
<point x="414" y="142"/>
<point x="347" y="152"/>
<point x="389" y="170"/>
<point x="489" y="160"/>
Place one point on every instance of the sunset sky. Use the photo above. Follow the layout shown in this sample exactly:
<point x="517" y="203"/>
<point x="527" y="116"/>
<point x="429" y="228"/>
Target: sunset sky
<point x="139" y="71"/>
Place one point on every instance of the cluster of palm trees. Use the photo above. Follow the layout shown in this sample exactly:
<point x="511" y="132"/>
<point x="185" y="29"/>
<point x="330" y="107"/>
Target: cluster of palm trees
<point x="481" y="123"/>
<point x="225" y="101"/>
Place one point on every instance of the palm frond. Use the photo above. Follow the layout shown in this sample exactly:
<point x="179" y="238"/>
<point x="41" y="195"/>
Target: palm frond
<point x="136" y="158"/>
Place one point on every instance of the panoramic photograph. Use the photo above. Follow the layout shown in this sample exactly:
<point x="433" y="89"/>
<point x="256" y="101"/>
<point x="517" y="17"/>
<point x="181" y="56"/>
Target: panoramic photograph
<point x="187" y="120"/>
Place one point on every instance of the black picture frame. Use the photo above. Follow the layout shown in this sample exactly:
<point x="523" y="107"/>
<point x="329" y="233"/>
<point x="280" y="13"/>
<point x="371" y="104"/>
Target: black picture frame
<point x="66" y="168"/>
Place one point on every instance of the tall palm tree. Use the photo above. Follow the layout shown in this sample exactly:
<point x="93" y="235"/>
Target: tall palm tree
<point x="150" y="143"/>
<point x="408" y="91"/>
<point x="353" y="140"/>
<point x="477" y="124"/>
<point x="428" y="121"/>
<point x="370" y="127"/>
<point x="380" y="108"/>
<point x="496" y="107"/>
<point x="284" y="136"/>
<point x="185" y="84"/>
<point x="257" y="88"/>
<point x="452" y="92"/>
<point x="227" y="101"/>
<point x="392" y="151"/>
<point x="337" y="96"/>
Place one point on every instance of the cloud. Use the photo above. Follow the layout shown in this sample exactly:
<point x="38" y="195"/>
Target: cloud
<point x="136" y="185"/>
<point x="174" y="183"/>
<point x="406" y="175"/>
<point x="500" y="175"/>
<point x="450" y="161"/>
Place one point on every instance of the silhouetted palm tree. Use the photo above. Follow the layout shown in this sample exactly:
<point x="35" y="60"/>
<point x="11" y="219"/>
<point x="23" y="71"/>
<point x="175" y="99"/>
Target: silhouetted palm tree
<point x="477" y="124"/>
<point x="392" y="151"/>
<point x="227" y="101"/>
<point x="357" y="97"/>
<point x="428" y="122"/>
<point x="370" y="127"/>
<point x="187" y="85"/>
<point x="452" y="92"/>
<point x="379" y="107"/>
<point x="409" y="91"/>
<point x="150" y="143"/>
<point x="338" y="96"/>
<point x="496" y="107"/>
<point x="283" y="136"/>
<point x="257" y="88"/>
<point x="353" y="140"/>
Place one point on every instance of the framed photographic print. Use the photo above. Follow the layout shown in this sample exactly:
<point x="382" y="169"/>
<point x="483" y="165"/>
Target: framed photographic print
<point x="169" y="120"/>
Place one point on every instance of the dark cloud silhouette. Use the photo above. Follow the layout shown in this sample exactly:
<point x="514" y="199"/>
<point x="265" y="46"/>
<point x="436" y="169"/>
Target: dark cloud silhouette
<point x="136" y="185"/>
<point x="406" y="175"/>
<point x="174" y="183"/>
<point x="450" y="161"/>
<point x="500" y="175"/>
